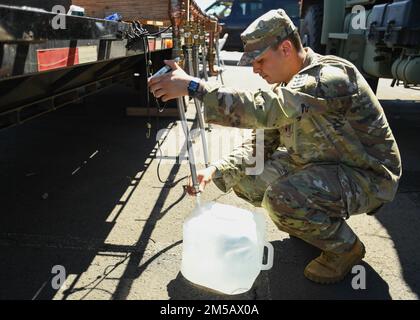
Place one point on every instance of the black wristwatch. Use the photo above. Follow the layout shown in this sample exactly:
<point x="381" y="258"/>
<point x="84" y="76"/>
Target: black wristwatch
<point x="193" y="87"/>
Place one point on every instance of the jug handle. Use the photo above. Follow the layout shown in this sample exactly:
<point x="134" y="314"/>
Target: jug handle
<point x="270" y="257"/>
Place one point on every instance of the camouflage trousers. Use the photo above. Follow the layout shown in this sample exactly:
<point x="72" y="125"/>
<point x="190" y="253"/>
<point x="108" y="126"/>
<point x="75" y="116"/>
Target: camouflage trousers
<point x="311" y="202"/>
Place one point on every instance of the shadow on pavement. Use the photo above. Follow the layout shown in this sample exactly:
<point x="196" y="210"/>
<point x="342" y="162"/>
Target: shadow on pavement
<point x="65" y="179"/>
<point x="182" y="289"/>
<point x="286" y="280"/>
<point x="401" y="217"/>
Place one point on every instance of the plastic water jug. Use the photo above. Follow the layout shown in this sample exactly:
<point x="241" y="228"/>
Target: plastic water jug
<point x="223" y="248"/>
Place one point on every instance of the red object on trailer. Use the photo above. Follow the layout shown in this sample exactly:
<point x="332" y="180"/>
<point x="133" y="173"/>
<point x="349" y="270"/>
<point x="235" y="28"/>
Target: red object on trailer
<point x="50" y="59"/>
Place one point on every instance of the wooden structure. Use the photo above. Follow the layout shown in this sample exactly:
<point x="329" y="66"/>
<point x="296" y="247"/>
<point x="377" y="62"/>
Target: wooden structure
<point x="160" y="12"/>
<point x="130" y="10"/>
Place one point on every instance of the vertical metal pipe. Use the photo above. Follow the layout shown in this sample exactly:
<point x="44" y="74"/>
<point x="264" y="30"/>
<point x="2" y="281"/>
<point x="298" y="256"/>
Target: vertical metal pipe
<point x="196" y="61"/>
<point x="176" y="17"/>
<point x="199" y="111"/>
<point x="204" y="61"/>
<point x="219" y="64"/>
<point x="191" y="157"/>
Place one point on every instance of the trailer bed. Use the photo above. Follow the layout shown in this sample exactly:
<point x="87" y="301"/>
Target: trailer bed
<point x="43" y="68"/>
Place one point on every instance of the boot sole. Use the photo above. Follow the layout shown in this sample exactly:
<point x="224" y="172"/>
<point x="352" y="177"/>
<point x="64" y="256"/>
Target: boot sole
<point x="320" y="280"/>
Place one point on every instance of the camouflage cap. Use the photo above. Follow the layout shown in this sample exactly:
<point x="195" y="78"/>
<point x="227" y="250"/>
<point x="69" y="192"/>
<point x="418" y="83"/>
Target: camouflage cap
<point x="272" y="26"/>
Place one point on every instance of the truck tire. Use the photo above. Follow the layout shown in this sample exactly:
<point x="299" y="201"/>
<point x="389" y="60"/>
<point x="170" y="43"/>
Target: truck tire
<point x="311" y="29"/>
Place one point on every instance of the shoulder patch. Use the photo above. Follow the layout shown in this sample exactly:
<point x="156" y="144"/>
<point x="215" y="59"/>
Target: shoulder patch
<point x="299" y="81"/>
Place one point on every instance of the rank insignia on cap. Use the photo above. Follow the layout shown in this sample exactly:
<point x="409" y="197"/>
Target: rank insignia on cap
<point x="299" y="81"/>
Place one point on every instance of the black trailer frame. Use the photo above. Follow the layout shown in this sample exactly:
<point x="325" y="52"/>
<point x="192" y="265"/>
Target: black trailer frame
<point x="112" y="53"/>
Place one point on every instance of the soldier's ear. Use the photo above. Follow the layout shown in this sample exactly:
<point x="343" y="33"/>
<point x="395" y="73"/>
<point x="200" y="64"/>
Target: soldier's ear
<point x="286" y="48"/>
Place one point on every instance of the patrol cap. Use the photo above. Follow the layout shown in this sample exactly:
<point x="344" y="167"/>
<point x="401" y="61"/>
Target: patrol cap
<point x="275" y="25"/>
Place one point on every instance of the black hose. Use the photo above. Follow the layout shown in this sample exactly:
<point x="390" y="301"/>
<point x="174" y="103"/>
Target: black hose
<point x="159" y="32"/>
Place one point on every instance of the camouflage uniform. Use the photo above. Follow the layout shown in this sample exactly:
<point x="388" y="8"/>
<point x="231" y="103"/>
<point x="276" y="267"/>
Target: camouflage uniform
<point x="329" y="151"/>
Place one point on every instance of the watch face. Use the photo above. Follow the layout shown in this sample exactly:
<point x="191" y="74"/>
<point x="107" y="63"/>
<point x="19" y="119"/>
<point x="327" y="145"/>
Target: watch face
<point x="192" y="87"/>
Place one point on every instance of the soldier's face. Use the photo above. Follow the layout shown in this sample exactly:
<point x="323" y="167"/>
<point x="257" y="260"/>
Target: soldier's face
<point x="275" y="65"/>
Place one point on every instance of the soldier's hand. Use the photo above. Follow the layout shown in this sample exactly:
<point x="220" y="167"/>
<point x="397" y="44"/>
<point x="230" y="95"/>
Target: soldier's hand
<point x="204" y="177"/>
<point x="170" y="85"/>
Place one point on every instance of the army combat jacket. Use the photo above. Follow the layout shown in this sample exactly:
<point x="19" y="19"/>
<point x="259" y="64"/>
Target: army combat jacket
<point x="327" y="113"/>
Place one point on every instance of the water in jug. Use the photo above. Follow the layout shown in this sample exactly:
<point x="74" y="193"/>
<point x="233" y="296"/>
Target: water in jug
<point x="223" y="248"/>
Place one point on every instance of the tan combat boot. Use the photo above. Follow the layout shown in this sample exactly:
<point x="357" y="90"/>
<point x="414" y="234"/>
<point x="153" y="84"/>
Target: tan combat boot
<point x="331" y="267"/>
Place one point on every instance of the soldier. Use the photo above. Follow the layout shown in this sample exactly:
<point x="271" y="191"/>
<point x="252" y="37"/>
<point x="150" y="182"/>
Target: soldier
<point x="328" y="149"/>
